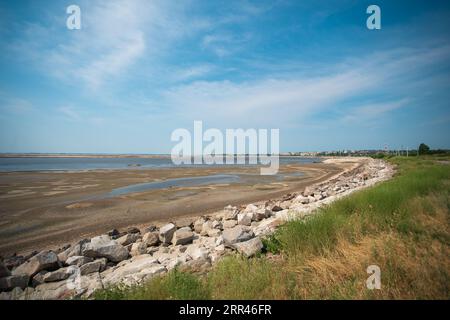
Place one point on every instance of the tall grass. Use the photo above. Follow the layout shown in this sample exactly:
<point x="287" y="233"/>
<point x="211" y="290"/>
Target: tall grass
<point x="175" y="285"/>
<point x="385" y="207"/>
<point x="401" y="225"/>
<point x="241" y="278"/>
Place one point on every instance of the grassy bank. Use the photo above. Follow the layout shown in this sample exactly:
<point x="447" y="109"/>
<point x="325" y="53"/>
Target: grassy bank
<point x="401" y="225"/>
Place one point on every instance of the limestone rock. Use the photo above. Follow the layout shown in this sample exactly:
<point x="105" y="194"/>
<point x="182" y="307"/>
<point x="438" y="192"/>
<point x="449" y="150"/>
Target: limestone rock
<point x="207" y="225"/>
<point x="230" y="213"/>
<point x="220" y="248"/>
<point x="236" y="234"/>
<point x="309" y="191"/>
<point x="229" y="224"/>
<point x="219" y="241"/>
<point x="130" y="267"/>
<point x="249" y="248"/>
<point x="13" y="261"/>
<point x="183" y="236"/>
<point x="214" y="233"/>
<point x="4" y="271"/>
<point x="200" y="266"/>
<point x="45" y="260"/>
<point x="52" y="291"/>
<point x="94" y="266"/>
<point x="261" y="214"/>
<point x="176" y="262"/>
<point x="4" y="296"/>
<point x="267" y="226"/>
<point x="285" y="204"/>
<point x="138" y="248"/>
<point x="38" y="278"/>
<point x="129" y="238"/>
<point x="215" y="224"/>
<point x="85" y="286"/>
<point x="10" y="282"/>
<point x="250" y="208"/>
<point x="198" y="224"/>
<point x="166" y="233"/>
<point x="284" y="215"/>
<point x="19" y="294"/>
<point x="151" y="239"/>
<point x="184" y="222"/>
<point x="245" y="218"/>
<point x="151" y="228"/>
<point x="78" y="260"/>
<point x="59" y="275"/>
<point x="302" y="199"/>
<point x="207" y="242"/>
<point x="70" y="252"/>
<point x="164" y="257"/>
<point x="104" y="247"/>
<point x="197" y="252"/>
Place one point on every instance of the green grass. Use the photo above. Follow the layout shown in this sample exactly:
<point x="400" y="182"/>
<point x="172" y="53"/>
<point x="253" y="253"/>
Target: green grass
<point x="402" y="225"/>
<point x="175" y="285"/>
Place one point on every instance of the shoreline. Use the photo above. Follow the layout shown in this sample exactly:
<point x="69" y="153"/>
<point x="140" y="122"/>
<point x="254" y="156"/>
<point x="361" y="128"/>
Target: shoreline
<point x="50" y="214"/>
<point x="194" y="244"/>
<point x="124" y="155"/>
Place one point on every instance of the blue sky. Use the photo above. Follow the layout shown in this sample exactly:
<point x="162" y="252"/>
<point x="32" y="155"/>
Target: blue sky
<point x="137" y="70"/>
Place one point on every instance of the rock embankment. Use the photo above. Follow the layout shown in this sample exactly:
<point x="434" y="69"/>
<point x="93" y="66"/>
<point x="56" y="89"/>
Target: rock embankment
<point x="134" y="256"/>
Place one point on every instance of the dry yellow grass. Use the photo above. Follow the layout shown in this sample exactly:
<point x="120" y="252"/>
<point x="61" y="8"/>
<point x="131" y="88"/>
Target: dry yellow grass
<point x="411" y="267"/>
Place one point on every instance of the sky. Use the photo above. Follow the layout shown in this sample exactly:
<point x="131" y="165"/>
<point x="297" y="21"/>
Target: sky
<point x="138" y="70"/>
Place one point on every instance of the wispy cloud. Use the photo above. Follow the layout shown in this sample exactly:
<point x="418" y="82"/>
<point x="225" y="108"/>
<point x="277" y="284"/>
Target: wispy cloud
<point x="373" y="111"/>
<point x="266" y="99"/>
<point x="69" y="112"/>
<point x="193" y="72"/>
<point x="115" y="35"/>
<point x="290" y="98"/>
<point x="223" y="44"/>
<point x="14" y="105"/>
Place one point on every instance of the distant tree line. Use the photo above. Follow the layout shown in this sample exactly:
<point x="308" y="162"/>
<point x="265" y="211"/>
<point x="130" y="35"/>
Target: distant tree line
<point x="424" y="149"/>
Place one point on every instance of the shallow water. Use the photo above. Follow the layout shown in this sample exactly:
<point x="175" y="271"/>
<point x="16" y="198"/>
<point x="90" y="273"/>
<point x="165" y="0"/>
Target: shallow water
<point x="87" y="163"/>
<point x="177" y="182"/>
<point x="197" y="181"/>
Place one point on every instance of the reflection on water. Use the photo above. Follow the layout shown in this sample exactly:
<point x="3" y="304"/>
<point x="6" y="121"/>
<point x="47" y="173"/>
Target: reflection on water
<point x="177" y="182"/>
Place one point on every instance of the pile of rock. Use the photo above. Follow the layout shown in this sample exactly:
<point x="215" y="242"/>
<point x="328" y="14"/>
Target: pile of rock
<point x="130" y="257"/>
<point x="134" y="256"/>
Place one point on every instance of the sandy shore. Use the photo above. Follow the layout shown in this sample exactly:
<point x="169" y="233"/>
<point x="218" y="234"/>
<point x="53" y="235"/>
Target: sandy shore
<point x="49" y="209"/>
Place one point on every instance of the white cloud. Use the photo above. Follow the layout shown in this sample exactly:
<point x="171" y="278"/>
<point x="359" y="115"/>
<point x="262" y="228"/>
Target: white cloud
<point x="267" y="100"/>
<point x="193" y="72"/>
<point x="114" y="36"/>
<point x="373" y="111"/>
<point x="290" y="98"/>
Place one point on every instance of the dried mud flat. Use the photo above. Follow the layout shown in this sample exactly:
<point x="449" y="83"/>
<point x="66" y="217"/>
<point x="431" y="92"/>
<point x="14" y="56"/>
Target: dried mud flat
<point x="47" y="209"/>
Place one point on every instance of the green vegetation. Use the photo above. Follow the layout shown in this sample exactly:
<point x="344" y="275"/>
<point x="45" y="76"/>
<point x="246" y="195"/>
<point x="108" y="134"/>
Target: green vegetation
<point x="401" y="225"/>
<point x="424" y="149"/>
<point x="175" y="285"/>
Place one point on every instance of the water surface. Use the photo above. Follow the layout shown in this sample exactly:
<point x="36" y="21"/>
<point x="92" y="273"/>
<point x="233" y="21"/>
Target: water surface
<point x="90" y="163"/>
